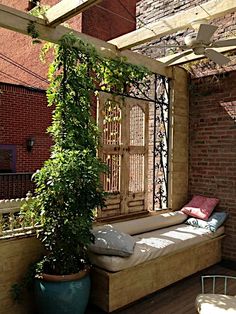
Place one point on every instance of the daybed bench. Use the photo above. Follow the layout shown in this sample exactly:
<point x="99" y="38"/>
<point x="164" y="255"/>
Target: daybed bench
<point x="166" y="251"/>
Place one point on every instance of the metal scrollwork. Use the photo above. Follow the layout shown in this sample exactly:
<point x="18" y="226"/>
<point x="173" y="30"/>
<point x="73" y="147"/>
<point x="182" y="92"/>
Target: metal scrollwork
<point x="142" y="90"/>
<point x="160" y="149"/>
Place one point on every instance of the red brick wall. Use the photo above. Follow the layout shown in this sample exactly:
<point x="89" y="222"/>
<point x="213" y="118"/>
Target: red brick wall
<point x="17" y="50"/>
<point x="24" y="113"/>
<point x="110" y="19"/>
<point x="103" y="21"/>
<point x="212" y="154"/>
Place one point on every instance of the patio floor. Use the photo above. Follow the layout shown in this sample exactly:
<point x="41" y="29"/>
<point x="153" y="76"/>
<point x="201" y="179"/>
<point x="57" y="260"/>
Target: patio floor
<point x="178" y="298"/>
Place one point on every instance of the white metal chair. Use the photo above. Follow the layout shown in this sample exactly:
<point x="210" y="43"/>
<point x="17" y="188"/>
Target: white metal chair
<point x="215" y="302"/>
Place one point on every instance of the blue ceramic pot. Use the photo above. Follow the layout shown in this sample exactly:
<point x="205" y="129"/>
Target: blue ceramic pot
<point x="69" y="296"/>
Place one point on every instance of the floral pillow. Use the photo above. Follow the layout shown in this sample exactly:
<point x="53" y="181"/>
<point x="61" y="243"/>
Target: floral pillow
<point x="200" y="206"/>
<point x="213" y="223"/>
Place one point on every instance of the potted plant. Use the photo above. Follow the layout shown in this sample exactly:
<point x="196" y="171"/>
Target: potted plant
<point x="68" y="188"/>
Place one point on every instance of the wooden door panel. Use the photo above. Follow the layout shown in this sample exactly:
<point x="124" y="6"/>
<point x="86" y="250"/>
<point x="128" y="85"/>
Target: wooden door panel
<point x="125" y="151"/>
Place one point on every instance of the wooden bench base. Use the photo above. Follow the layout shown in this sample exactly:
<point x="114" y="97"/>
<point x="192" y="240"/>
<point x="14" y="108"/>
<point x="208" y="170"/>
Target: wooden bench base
<point x="111" y="291"/>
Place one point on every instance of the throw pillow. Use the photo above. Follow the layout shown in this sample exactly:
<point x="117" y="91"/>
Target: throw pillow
<point x="213" y="223"/>
<point x="110" y="241"/>
<point x="200" y="206"/>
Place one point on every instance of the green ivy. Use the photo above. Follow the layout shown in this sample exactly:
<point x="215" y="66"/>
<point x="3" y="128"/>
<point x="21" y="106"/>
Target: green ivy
<point x="32" y="31"/>
<point x="68" y="187"/>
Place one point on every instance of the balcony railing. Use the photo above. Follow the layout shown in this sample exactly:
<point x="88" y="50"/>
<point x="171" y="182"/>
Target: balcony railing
<point x="15" y="185"/>
<point x="13" y="222"/>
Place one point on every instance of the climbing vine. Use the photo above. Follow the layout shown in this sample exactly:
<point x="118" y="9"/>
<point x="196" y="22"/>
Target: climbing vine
<point x="68" y="187"/>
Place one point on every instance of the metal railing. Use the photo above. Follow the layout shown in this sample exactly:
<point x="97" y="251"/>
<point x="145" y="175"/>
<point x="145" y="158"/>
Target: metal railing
<point x="213" y="278"/>
<point x="15" y="185"/>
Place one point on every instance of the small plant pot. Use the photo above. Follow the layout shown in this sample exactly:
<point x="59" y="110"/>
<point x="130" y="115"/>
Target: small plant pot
<point x="67" y="294"/>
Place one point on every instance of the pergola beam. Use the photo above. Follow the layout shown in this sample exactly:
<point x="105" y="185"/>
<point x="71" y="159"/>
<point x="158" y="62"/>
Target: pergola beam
<point x="192" y="56"/>
<point x="65" y="9"/>
<point x="18" y="21"/>
<point x="209" y="10"/>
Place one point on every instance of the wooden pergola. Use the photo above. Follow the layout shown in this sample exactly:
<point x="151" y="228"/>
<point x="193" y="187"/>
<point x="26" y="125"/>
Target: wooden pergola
<point x="180" y="21"/>
<point x="50" y="29"/>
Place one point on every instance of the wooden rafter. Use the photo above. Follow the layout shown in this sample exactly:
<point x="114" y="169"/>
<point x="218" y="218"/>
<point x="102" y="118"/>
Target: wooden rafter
<point x="65" y="9"/>
<point x="209" y="10"/>
<point x="18" y="21"/>
<point x="192" y="56"/>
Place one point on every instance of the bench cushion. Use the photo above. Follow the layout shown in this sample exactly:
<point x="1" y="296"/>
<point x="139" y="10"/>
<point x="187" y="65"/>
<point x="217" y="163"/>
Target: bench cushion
<point x="152" y="222"/>
<point x="216" y="304"/>
<point x="153" y="244"/>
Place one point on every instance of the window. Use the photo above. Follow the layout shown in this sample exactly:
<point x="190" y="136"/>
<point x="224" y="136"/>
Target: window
<point x="7" y="158"/>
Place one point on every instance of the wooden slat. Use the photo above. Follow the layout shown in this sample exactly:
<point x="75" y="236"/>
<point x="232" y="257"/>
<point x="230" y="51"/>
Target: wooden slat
<point x="115" y="207"/>
<point x="192" y="56"/>
<point x="1" y="223"/>
<point x="65" y="9"/>
<point x="168" y="25"/>
<point x="112" y="200"/>
<point x="134" y="209"/>
<point x="125" y="166"/>
<point x="136" y="203"/>
<point x="18" y="21"/>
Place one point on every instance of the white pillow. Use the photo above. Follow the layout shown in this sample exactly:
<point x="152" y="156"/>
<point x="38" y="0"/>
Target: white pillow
<point x="110" y="241"/>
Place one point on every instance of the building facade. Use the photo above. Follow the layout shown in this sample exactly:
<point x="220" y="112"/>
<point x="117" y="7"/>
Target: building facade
<point x="24" y="115"/>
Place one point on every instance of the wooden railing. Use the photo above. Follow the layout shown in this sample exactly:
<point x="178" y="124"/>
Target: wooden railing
<point x="12" y="222"/>
<point x="15" y="185"/>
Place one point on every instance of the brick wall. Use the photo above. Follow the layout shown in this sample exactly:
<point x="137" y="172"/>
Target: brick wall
<point x="212" y="150"/>
<point x="24" y="113"/>
<point x="19" y="59"/>
<point x="151" y="11"/>
<point x="212" y="145"/>
<point x="110" y="19"/>
<point x="106" y="20"/>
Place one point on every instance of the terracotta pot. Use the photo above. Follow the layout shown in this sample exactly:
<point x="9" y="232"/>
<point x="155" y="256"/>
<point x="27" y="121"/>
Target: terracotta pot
<point x="59" y="278"/>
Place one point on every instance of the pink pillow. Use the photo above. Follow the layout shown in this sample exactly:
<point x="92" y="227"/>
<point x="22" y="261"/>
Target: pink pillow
<point x="200" y="206"/>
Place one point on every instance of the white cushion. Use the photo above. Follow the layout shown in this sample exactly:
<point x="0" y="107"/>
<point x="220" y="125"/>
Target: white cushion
<point x="216" y="304"/>
<point x="109" y="241"/>
<point x="150" y="223"/>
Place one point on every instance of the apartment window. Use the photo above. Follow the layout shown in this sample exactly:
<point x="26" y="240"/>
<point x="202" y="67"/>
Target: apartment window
<point x="7" y="158"/>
